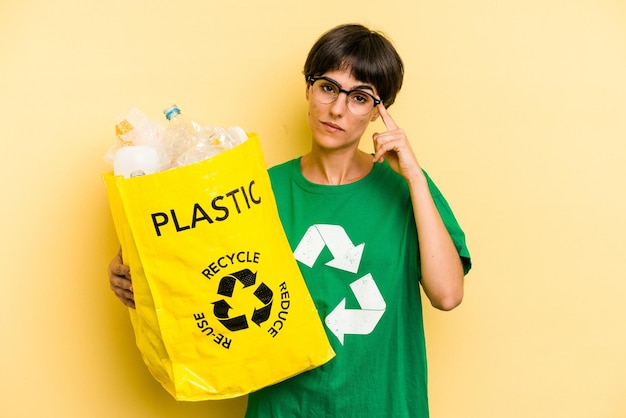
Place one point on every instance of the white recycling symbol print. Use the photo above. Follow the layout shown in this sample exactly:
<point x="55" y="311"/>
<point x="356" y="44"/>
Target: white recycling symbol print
<point x="347" y="257"/>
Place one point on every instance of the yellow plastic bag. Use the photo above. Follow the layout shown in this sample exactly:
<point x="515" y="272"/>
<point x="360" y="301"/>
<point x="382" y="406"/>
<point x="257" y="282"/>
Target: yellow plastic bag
<point x="221" y="307"/>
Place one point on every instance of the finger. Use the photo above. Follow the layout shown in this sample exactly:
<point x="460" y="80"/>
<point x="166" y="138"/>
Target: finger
<point x="127" y="301"/>
<point x="386" y="117"/>
<point x="120" y="269"/>
<point x="123" y="294"/>
<point x="381" y="147"/>
<point x="121" y="282"/>
<point x="378" y="155"/>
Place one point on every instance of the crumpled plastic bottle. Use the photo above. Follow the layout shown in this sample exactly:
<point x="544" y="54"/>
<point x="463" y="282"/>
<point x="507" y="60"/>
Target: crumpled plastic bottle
<point x="137" y="145"/>
<point x="182" y="141"/>
<point x="180" y="135"/>
<point x="190" y="141"/>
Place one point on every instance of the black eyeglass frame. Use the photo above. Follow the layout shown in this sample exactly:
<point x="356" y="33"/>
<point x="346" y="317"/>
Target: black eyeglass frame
<point x="312" y="80"/>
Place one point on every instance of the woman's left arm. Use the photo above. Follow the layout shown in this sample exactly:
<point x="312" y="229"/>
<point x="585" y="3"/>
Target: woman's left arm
<point x="442" y="270"/>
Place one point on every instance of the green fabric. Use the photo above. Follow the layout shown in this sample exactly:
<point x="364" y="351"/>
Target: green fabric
<point x="380" y="368"/>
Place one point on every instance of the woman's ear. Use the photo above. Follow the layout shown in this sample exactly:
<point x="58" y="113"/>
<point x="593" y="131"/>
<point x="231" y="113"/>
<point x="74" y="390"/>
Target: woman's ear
<point x="308" y="86"/>
<point x="375" y="115"/>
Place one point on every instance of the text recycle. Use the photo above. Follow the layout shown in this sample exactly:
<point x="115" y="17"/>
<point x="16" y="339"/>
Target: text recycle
<point x="230" y="285"/>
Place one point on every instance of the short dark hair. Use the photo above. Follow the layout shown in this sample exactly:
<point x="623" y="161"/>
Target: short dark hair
<point x="368" y="54"/>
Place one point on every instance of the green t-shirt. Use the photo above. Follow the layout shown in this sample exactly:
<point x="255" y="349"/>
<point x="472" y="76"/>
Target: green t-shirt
<point x="357" y="248"/>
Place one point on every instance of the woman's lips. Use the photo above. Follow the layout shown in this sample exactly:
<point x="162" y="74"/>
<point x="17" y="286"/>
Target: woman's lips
<point x="331" y="126"/>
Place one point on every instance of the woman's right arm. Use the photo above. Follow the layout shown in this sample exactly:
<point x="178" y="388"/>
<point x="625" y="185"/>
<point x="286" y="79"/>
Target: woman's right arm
<point x="119" y="279"/>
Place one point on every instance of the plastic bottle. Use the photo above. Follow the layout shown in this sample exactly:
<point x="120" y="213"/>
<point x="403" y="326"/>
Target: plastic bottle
<point x="190" y="142"/>
<point x="181" y="135"/>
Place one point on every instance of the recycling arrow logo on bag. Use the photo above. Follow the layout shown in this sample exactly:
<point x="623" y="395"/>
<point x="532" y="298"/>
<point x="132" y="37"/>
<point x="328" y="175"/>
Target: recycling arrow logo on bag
<point x="226" y="288"/>
<point x="346" y="257"/>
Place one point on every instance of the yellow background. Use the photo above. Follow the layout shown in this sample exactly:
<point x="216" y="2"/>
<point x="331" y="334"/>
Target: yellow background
<point x="516" y="108"/>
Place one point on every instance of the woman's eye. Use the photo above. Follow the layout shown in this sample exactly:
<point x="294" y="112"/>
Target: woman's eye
<point x="360" y="98"/>
<point x="328" y="88"/>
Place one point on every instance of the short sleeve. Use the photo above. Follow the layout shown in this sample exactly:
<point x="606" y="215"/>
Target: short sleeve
<point x="452" y="225"/>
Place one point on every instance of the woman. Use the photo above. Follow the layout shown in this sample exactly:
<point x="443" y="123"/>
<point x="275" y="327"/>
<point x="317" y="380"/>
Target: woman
<point x="402" y="228"/>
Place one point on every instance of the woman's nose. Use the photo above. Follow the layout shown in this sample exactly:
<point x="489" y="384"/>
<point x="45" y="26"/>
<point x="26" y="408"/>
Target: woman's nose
<point x="340" y="105"/>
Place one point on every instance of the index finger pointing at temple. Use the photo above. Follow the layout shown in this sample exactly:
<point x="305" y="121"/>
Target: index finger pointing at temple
<point x="387" y="119"/>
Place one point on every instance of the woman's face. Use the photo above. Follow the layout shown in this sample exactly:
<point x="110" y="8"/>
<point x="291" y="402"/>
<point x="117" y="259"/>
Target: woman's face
<point x="332" y="125"/>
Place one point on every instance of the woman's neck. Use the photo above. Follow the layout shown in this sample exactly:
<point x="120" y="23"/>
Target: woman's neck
<point x="335" y="168"/>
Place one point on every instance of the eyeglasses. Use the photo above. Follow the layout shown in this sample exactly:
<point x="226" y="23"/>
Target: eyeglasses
<point x="326" y="91"/>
